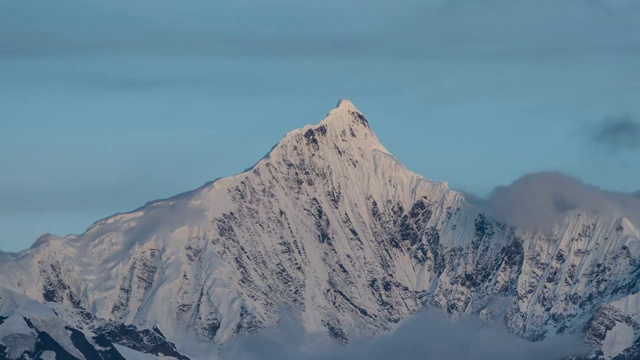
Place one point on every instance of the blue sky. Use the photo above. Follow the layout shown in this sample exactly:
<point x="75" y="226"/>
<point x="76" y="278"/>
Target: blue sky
<point x="105" y="106"/>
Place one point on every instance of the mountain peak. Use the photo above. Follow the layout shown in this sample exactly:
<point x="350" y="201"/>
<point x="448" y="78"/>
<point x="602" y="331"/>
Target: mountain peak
<point x="346" y="112"/>
<point x="343" y="127"/>
<point x="346" y="104"/>
<point x="345" y="124"/>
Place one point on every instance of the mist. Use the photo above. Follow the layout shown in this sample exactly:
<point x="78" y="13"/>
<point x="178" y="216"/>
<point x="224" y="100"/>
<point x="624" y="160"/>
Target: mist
<point x="429" y="335"/>
<point x="542" y="200"/>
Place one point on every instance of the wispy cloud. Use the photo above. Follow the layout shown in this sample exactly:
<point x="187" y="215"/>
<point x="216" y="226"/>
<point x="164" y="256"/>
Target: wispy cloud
<point x="410" y="30"/>
<point x="616" y="133"/>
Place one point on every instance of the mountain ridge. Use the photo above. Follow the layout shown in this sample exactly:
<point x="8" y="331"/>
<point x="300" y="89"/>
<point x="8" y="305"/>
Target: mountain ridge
<point x="331" y="226"/>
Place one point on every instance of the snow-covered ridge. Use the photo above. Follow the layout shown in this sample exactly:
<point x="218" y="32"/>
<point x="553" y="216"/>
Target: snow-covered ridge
<point x="32" y="330"/>
<point x="332" y="228"/>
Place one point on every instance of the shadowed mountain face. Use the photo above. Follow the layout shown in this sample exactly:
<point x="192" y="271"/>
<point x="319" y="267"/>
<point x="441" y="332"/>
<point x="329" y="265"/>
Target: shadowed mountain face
<point x="332" y="228"/>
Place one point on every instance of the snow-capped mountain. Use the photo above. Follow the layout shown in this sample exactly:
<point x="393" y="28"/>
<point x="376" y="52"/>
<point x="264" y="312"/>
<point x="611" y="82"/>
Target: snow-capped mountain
<point x="330" y="227"/>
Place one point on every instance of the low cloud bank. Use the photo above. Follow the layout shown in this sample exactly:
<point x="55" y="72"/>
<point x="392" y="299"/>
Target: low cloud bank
<point x="541" y="200"/>
<point x="430" y="335"/>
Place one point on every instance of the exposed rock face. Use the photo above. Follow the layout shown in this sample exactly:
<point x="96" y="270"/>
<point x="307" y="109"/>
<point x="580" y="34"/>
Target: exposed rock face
<point x="333" y="228"/>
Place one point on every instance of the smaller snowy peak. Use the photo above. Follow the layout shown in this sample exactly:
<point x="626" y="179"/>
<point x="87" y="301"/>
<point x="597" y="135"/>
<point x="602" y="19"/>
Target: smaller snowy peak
<point x="30" y="329"/>
<point x="44" y="239"/>
<point x="11" y="301"/>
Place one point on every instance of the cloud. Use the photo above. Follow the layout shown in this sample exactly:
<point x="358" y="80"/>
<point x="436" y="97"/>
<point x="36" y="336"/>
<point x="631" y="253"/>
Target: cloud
<point x="429" y="335"/>
<point x="616" y="133"/>
<point x="406" y="30"/>
<point x="542" y="200"/>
